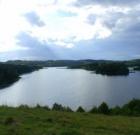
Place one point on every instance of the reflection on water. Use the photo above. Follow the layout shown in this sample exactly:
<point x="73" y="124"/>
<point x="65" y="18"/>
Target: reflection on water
<point x="71" y="87"/>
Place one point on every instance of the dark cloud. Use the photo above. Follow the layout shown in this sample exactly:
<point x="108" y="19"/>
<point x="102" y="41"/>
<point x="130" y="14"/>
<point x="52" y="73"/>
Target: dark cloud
<point x="35" y="48"/>
<point x="124" y="26"/>
<point x="117" y="47"/>
<point x="34" y="19"/>
<point x="107" y="2"/>
<point x="133" y="28"/>
<point x="112" y="19"/>
<point x="109" y="20"/>
<point x="129" y="25"/>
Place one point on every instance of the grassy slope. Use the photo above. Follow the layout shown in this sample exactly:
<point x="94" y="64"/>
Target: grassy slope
<point x="42" y="122"/>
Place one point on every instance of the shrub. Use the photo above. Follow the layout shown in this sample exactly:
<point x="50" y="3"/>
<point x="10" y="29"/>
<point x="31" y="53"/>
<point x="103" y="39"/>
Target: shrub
<point x="9" y="121"/>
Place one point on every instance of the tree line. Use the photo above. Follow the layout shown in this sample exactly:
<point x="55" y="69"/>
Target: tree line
<point x="105" y="68"/>
<point x="10" y="73"/>
<point x="132" y="108"/>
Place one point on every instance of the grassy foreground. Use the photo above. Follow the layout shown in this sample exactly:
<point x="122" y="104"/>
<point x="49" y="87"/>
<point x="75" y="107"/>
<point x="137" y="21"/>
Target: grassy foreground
<point x="38" y="121"/>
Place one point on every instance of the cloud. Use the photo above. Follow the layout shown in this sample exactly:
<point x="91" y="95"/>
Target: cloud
<point x="70" y="29"/>
<point x="34" y="19"/>
<point x="63" y="13"/>
<point x="106" y="2"/>
<point x="26" y="40"/>
<point x="57" y="22"/>
<point x="34" y="47"/>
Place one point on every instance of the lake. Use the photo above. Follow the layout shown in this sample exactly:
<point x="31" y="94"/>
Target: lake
<point x="71" y="87"/>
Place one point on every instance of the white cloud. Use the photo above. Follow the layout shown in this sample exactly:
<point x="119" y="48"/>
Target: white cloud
<point x="63" y="23"/>
<point x="62" y="29"/>
<point x="10" y="25"/>
<point x="69" y="29"/>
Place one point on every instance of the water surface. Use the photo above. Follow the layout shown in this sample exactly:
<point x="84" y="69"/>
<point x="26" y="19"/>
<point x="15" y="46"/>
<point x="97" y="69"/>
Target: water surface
<point x="71" y="87"/>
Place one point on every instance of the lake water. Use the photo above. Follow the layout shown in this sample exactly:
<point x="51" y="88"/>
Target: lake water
<point x="71" y="87"/>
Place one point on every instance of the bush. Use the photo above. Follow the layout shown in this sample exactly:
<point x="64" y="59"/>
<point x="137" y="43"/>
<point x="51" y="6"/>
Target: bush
<point x="9" y="121"/>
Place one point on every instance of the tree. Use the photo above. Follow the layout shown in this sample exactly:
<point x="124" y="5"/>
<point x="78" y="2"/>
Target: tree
<point x="103" y="108"/>
<point x="80" y="109"/>
<point x="57" y="107"/>
<point x="132" y="108"/>
<point x="116" y="110"/>
<point x="94" y="110"/>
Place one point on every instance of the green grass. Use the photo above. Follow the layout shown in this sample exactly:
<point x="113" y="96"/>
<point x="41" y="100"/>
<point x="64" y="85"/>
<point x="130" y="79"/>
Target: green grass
<point x="38" y="121"/>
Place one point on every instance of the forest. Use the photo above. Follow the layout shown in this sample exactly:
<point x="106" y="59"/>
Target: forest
<point x="9" y="73"/>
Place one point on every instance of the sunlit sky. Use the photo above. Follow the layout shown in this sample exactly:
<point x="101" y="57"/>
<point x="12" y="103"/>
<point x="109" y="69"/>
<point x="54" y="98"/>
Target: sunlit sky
<point x="69" y="29"/>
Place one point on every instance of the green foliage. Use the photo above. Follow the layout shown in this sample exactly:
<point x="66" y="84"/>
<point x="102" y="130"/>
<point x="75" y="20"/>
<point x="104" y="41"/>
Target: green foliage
<point x="7" y="74"/>
<point x="70" y="132"/>
<point x="132" y="108"/>
<point x="103" y="108"/>
<point x="59" y="107"/>
<point x="46" y="108"/>
<point x="137" y="68"/>
<point x="116" y="110"/>
<point x="80" y="109"/>
<point x="133" y="63"/>
<point x="68" y="109"/>
<point x="113" y="68"/>
<point x="10" y="73"/>
<point x="105" y="67"/>
<point x="24" y="107"/>
<point x="9" y="121"/>
<point x="38" y="121"/>
<point x="94" y="110"/>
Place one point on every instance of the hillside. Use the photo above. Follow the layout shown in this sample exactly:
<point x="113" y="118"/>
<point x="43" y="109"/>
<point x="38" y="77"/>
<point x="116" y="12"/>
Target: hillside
<point x="10" y="73"/>
<point x="39" y="121"/>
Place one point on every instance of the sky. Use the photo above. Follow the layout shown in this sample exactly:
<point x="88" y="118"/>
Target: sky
<point x="69" y="29"/>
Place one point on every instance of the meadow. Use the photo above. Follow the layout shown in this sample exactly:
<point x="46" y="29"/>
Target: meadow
<point x="41" y="121"/>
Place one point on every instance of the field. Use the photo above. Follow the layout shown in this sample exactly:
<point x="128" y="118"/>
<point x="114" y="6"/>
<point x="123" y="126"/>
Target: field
<point x="39" y="121"/>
